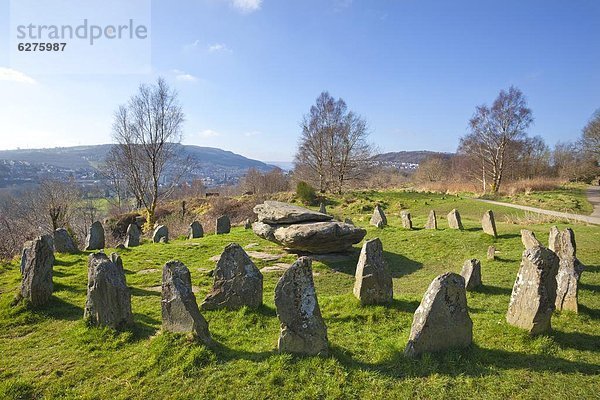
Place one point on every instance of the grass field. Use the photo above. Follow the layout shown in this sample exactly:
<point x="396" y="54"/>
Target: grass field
<point x="50" y="353"/>
<point x="569" y="198"/>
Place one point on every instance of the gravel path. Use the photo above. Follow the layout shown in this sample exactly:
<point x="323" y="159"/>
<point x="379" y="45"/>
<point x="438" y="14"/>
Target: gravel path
<point x="593" y="194"/>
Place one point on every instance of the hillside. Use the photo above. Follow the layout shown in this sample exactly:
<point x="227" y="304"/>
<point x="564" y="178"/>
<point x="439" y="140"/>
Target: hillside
<point x="409" y="157"/>
<point x="21" y="166"/>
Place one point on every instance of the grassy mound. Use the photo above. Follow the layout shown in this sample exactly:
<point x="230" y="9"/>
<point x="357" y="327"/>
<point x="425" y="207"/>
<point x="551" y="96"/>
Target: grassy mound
<point x="49" y="352"/>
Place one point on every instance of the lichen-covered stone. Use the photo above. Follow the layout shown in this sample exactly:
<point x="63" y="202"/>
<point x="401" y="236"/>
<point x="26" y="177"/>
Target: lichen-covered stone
<point x="471" y="272"/>
<point x="406" y="220"/>
<point x="373" y="281"/>
<point x="276" y="212"/>
<point x="303" y="330"/>
<point x="454" y="221"/>
<point x="378" y="218"/>
<point x="491" y="253"/>
<point x="488" y="223"/>
<point x="534" y="292"/>
<point x="222" y="225"/>
<point x="528" y="239"/>
<point x="442" y="319"/>
<point x="237" y="281"/>
<point x="161" y="234"/>
<point x="108" y="299"/>
<point x="132" y="237"/>
<point x="569" y="269"/>
<point x="196" y="230"/>
<point x="95" y="237"/>
<point x="63" y="242"/>
<point x="37" y="268"/>
<point x="431" y="220"/>
<point x="180" y="312"/>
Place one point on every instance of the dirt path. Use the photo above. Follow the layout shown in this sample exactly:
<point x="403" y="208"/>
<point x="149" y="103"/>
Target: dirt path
<point x="593" y="194"/>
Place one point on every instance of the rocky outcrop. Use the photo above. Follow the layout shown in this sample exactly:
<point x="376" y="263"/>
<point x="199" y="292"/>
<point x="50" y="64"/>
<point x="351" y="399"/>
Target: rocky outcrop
<point x="442" y="320"/>
<point x="303" y="330"/>
<point x="63" y="242"/>
<point x="180" y="312"/>
<point x="316" y="236"/>
<point x="37" y="267"/>
<point x="373" y="281"/>
<point x="529" y="240"/>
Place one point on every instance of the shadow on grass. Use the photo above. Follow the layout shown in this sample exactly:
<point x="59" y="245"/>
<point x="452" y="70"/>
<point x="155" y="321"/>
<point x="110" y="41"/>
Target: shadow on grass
<point x="59" y="309"/>
<point x="60" y="262"/>
<point x="225" y="353"/>
<point x="58" y="287"/>
<point x="493" y="290"/>
<point x="474" y="361"/>
<point x="587" y="286"/>
<point x="400" y="265"/>
<point x="509" y="236"/>
<point x="135" y="291"/>
<point x="144" y="326"/>
<point x="577" y="340"/>
<point x="592" y="268"/>
<point x="592" y="313"/>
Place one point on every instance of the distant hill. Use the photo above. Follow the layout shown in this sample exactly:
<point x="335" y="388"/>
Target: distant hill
<point x="409" y="157"/>
<point x="214" y="166"/>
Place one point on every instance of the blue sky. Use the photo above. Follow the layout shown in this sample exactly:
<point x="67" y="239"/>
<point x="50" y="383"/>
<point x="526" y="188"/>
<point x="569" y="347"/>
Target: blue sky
<point x="247" y="70"/>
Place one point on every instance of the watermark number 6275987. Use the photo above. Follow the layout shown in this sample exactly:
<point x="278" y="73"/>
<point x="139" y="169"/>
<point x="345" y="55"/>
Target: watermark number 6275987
<point x="41" y="46"/>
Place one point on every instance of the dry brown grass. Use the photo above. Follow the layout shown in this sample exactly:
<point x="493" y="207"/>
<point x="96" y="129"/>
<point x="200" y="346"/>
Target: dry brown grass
<point x="531" y="185"/>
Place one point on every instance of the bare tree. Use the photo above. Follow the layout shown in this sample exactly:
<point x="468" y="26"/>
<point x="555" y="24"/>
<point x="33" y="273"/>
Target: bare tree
<point x="333" y="146"/>
<point x="148" y="131"/>
<point x="493" y="130"/>
<point x="591" y="136"/>
<point x="432" y="169"/>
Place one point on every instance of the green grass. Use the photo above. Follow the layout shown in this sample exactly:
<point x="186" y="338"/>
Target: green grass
<point x="50" y="353"/>
<point x="569" y="198"/>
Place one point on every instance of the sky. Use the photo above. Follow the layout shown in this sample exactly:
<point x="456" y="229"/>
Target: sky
<point x="246" y="71"/>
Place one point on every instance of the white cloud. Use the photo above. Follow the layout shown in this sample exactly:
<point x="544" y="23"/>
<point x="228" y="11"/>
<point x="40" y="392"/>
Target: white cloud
<point x="208" y="133"/>
<point x="183" y="76"/>
<point x="246" y="6"/>
<point x="213" y="48"/>
<point x="251" y="133"/>
<point x="12" y="75"/>
<point x="191" y="46"/>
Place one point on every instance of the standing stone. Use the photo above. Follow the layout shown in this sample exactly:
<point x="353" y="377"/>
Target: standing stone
<point x="303" y="330"/>
<point x="488" y="223"/>
<point x="529" y="240"/>
<point x="237" y="281"/>
<point x="406" y="220"/>
<point x="569" y="269"/>
<point x="223" y="225"/>
<point x="95" y="237"/>
<point x="534" y="292"/>
<point x="196" y="230"/>
<point x="378" y="218"/>
<point x="180" y="311"/>
<point x="373" y="284"/>
<point x="161" y="234"/>
<point x="132" y="237"/>
<point x="140" y="221"/>
<point x="247" y="224"/>
<point x="442" y="320"/>
<point x="431" y="221"/>
<point x="24" y="253"/>
<point x="36" y="282"/>
<point x="454" y="221"/>
<point x="471" y="272"/>
<point x="63" y="242"/>
<point x="322" y="208"/>
<point x="108" y="299"/>
<point x="491" y="253"/>
<point x="118" y="261"/>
